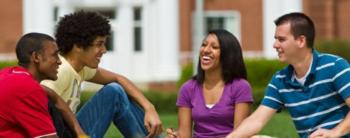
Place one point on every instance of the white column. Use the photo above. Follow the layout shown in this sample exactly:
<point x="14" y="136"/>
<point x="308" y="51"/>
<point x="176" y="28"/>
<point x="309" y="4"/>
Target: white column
<point x="198" y="26"/>
<point x="272" y="9"/>
<point x="151" y="38"/>
<point x="64" y="7"/>
<point x="124" y="45"/>
<point x="167" y="61"/>
<point x="38" y="16"/>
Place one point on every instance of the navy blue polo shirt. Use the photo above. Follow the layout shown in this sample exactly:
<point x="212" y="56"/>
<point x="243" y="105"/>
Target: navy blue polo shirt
<point x="320" y="102"/>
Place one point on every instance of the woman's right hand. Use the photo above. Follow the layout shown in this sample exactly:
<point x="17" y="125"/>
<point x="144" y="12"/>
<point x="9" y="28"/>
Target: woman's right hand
<point x="171" y="133"/>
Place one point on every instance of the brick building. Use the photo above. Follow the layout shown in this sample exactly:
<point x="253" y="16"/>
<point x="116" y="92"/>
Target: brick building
<point x="11" y="27"/>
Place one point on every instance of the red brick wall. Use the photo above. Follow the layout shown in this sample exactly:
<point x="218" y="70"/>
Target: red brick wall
<point x="331" y="18"/>
<point x="10" y="24"/>
<point x="343" y="19"/>
<point x="251" y="20"/>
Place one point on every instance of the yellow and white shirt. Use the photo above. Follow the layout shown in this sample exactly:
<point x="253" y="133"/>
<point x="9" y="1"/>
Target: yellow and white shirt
<point x="68" y="83"/>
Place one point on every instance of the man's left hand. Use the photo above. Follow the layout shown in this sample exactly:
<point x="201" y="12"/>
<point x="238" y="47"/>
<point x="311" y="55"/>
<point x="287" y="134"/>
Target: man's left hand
<point x="152" y="123"/>
<point x="324" y="133"/>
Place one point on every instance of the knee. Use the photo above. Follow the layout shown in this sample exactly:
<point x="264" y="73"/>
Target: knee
<point x="114" y="87"/>
<point x="115" y="90"/>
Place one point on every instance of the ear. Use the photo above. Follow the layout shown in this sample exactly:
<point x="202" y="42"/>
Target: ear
<point x="77" y="48"/>
<point x="35" y="57"/>
<point x="302" y="41"/>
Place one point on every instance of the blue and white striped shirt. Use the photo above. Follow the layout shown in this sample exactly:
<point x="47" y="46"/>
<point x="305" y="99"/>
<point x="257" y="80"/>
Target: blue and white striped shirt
<point x="320" y="102"/>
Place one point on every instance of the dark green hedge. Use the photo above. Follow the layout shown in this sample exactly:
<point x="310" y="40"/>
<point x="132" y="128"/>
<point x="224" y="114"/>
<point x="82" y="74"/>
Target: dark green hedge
<point x="186" y="74"/>
<point x="7" y="63"/>
<point x="163" y="102"/>
<point x="259" y="73"/>
<point x="337" y="47"/>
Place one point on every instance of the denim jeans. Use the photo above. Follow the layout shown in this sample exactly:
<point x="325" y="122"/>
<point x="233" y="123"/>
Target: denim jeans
<point x="111" y="104"/>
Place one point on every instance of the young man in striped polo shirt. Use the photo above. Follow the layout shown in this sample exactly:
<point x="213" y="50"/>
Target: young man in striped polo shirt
<point x="314" y="87"/>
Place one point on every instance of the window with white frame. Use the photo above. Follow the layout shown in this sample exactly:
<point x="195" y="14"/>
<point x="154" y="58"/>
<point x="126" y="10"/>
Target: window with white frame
<point x="137" y="29"/>
<point x="229" y="20"/>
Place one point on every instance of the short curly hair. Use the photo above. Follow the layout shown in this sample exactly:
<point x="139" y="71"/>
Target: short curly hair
<point x="81" y="28"/>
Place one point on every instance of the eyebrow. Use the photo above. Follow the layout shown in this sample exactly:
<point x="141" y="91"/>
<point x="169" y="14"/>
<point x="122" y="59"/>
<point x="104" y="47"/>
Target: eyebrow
<point x="276" y="37"/>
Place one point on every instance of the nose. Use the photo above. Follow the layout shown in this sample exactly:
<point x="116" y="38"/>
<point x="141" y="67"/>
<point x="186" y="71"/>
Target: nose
<point x="104" y="49"/>
<point x="59" y="62"/>
<point x="276" y="44"/>
<point x="206" y="49"/>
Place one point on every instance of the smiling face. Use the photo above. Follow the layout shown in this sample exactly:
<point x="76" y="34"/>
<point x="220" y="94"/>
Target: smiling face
<point x="210" y="53"/>
<point x="48" y="61"/>
<point x="286" y="45"/>
<point x="92" y="55"/>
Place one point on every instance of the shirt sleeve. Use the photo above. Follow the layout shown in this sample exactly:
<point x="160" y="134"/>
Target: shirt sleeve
<point x="31" y="113"/>
<point x="272" y="97"/>
<point x="242" y="92"/>
<point x="342" y="78"/>
<point x="183" y="98"/>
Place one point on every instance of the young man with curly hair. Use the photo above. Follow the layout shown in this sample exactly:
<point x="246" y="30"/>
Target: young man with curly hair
<point x="81" y="37"/>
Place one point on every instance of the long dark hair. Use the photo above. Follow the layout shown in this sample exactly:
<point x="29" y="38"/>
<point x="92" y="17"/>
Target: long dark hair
<point x="231" y="58"/>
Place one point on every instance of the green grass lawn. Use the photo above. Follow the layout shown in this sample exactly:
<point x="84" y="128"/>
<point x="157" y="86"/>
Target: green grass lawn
<point x="280" y="126"/>
<point x="168" y="120"/>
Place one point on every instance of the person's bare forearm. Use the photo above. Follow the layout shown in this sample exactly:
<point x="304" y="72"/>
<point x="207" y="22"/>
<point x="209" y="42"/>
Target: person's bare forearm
<point x="66" y="112"/>
<point x="69" y="117"/>
<point x="246" y="129"/>
<point x="343" y="127"/>
<point x="134" y="92"/>
<point x="254" y="123"/>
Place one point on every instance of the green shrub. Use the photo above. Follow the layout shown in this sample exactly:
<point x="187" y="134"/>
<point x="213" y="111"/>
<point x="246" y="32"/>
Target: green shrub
<point x="186" y="74"/>
<point x="260" y="71"/>
<point x="337" y="47"/>
<point x="7" y="63"/>
<point x="84" y="97"/>
<point x="163" y="102"/>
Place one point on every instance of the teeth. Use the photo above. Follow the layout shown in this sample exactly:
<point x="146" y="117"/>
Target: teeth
<point x="206" y="57"/>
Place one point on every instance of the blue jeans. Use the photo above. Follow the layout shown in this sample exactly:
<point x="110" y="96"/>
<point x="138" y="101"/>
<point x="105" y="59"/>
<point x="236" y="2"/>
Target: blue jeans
<point x="111" y="104"/>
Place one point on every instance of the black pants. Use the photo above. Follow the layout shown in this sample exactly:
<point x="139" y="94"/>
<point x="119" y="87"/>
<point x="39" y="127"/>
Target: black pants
<point x="62" y="128"/>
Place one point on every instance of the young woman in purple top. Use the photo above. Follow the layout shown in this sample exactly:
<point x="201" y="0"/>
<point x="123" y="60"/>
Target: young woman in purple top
<point x="218" y="98"/>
